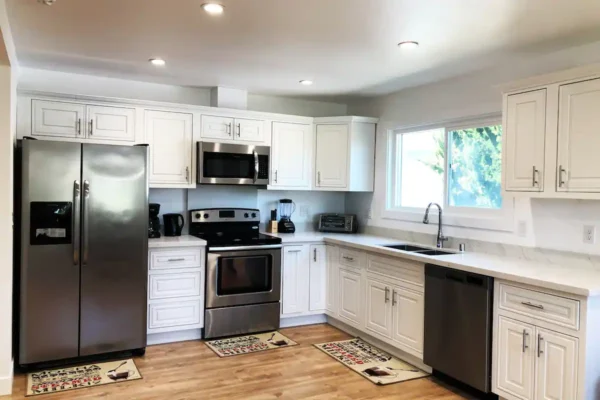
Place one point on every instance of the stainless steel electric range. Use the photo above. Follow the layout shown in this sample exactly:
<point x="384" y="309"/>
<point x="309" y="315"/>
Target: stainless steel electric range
<point x="243" y="272"/>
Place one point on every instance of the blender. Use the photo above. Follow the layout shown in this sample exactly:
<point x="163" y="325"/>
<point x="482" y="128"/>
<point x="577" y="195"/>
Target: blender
<point x="286" y="209"/>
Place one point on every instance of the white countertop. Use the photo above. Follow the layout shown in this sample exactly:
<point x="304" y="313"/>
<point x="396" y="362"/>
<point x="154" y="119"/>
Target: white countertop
<point x="176" y="241"/>
<point x="568" y="279"/>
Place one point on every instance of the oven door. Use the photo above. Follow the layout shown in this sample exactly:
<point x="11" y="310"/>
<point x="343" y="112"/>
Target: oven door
<point x="232" y="164"/>
<point x="242" y="275"/>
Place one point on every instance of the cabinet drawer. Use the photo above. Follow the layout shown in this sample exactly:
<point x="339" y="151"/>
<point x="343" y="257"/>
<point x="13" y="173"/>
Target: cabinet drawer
<point x="351" y="258"/>
<point x="162" y="259"/>
<point x="547" y="307"/>
<point x="164" y="315"/>
<point x="164" y="286"/>
<point x="400" y="269"/>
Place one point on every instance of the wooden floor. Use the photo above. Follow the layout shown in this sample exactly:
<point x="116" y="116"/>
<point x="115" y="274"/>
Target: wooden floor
<point x="190" y="370"/>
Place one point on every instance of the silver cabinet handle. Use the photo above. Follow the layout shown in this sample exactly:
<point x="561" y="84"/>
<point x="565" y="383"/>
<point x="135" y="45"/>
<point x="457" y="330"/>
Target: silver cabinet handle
<point x="394" y="302"/>
<point x="561" y="171"/>
<point x="534" y="182"/>
<point x="348" y="258"/>
<point x="525" y="334"/>
<point x="84" y="221"/>
<point x="528" y="304"/>
<point x="387" y="294"/>
<point x="539" y="345"/>
<point x="315" y="255"/>
<point x="239" y="128"/>
<point x="79" y="126"/>
<point x="76" y="221"/>
<point x="275" y="176"/>
<point x="187" y="173"/>
<point x="319" y="177"/>
<point x="175" y="259"/>
<point x="255" y="165"/>
<point x="91" y="127"/>
<point x="294" y="251"/>
<point x="229" y="129"/>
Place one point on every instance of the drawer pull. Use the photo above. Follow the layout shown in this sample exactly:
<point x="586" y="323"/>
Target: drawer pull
<point x="175" y="259"/>
<point x="528" y="304"/>
<point x="348" y="258"/>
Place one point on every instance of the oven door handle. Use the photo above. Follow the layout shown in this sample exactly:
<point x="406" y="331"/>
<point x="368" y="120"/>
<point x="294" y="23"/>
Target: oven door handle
<point x="255" y="165"/>
<point x="233" y="248"/>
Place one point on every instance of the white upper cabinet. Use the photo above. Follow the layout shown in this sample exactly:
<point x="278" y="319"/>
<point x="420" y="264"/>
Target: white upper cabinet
<point x="318" y="277"/>
<point x="228" y="128"/>
<point x="345" y="154"/>
<point x="216" y="127"/>
<point x="169" y="135"/>
<point x="111" y="123"/>
<point x="57" y="119"/>
<point x="290" y="156"/>
<point x="579" y="137"/>
<point x="524" y="141"/>
<point x="249" y="130"/>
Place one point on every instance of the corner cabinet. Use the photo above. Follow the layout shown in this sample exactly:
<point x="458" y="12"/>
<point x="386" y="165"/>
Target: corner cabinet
<point x="345" y="154"/>
<point x="169" y="135"/>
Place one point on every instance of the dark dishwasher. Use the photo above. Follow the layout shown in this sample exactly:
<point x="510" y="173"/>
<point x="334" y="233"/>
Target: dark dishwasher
<point x="458" y="325"/>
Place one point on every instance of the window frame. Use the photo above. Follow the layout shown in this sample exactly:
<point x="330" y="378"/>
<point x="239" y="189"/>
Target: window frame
<point x="501" y="219"/>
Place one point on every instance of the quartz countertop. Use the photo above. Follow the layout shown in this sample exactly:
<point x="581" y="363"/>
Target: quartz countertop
<point x="176" y="241"/>
<point x="565" y="278"/>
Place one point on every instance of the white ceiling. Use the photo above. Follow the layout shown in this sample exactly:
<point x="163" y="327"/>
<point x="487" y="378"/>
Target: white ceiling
<point x="347" y="47"/>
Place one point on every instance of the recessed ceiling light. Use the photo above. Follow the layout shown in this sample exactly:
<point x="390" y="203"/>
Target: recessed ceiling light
<point x="306" y="82"/>
<point x="159" y="62"/>
<point x="410" y="44"/>
<point x="213" y="8"/>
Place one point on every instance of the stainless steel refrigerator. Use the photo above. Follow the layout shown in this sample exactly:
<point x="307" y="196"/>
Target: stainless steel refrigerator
<point x="83" y="237"/>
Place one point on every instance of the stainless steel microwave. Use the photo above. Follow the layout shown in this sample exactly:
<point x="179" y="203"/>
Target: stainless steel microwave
<point x="232" y="164"/>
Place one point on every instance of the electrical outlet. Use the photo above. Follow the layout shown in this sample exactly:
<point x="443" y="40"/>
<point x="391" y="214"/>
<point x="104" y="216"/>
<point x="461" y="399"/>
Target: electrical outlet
<point x="522" y="228"/>
<point x="589" y="234"/>
<point x="304" y="210"/>
<point x="370" y="214"/>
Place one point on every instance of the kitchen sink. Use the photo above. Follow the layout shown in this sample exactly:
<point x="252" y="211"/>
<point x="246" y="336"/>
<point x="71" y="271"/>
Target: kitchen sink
<point x="435" y="252"/>
<point x="406" y="247"/>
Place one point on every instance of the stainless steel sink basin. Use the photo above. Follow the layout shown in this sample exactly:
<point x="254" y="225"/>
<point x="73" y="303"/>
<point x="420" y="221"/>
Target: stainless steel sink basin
<point x="435" y="252"/>
<point x="406" y="247"/>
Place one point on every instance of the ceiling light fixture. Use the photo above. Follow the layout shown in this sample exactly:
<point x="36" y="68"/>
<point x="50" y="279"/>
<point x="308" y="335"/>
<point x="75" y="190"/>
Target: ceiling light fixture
<point x="159" y="62"/>
<point x="410" y="44"/>
<point x="213" y="8"/>
<point x="306" y="82"/>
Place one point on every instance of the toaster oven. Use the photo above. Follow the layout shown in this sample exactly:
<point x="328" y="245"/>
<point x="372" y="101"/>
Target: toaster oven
<point x="341" y="223"/>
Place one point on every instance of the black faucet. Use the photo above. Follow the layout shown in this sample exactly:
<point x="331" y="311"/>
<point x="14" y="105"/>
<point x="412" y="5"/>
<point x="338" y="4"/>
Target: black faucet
<point x="440" y="236"/>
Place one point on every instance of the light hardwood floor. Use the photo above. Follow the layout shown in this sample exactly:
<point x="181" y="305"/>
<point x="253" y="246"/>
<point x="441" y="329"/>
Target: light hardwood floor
<point x="190" y="370"/>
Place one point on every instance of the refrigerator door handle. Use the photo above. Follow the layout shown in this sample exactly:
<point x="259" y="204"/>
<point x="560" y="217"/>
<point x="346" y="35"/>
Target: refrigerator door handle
<point x="84" y="221"/>
<point x="76" y="221"/>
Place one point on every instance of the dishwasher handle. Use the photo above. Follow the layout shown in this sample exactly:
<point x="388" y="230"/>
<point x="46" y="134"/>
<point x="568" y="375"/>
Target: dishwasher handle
<point x="455" y="275"/>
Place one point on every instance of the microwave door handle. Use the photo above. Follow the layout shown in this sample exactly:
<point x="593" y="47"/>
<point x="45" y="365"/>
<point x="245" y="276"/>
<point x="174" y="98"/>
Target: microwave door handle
<point x="255" y="165"/>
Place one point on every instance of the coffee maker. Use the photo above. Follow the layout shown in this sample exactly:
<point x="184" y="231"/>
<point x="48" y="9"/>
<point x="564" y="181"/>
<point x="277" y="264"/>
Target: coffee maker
<point x="154" y="225"/>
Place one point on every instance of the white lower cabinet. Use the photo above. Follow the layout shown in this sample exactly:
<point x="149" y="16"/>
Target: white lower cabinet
<point x="535" y="363"/>
<point x="351" y="297"/>
<point x="379" y="308"/>
<point x="295" y="280"/>
<point x="408" y="316"/>
<point x="331" y="291"/>
<point x="317" y="278"/>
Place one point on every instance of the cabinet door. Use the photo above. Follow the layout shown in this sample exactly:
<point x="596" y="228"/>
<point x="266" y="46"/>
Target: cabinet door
<point x="58" y="119"/>
<point x="333" y="255"/>
<point x="516" y="355"/>
<point x="249" y="130"/>
<point x="556" y="366"/>
<point x="579" y="137"/>
<point x="379" y="307"/>
<point x="169" y="135"/>
<point x="350" y="301"/>
<point x="111" y="123"/>
<point x="332" y="156"/>
<point x="408" y="308"/>
<point x="290" y="155"/>
<point x="525" y="141"/>
<point x="318" y="277"/>
<point x="216" y="127"/>
<point x="295" y="283"/>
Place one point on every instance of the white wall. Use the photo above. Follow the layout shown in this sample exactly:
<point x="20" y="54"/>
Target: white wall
<point x="287" y="105"/>
<point x="556" y="224"/>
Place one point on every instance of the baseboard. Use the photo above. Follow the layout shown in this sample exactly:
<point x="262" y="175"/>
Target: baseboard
<point x="409" y="358"/>
<point x="6" y="383"/>
<point x="303" y="320"/>
<point x="177" y="336"/>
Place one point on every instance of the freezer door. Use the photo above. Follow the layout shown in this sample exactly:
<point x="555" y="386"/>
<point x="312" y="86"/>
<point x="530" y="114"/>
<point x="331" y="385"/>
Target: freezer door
<point x="49" y="269"/>
<point x="114" y="248"/>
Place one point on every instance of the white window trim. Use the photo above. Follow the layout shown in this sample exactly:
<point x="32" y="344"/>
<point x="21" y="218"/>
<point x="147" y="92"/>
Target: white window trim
<point x="468" y="217"/>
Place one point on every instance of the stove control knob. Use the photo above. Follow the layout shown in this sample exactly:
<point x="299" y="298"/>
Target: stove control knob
<point x="205" y="216"/>
<point x="245" y="215"/>
<point x="253" y="215"/>
<point x="198" y="216"/>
